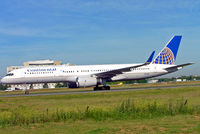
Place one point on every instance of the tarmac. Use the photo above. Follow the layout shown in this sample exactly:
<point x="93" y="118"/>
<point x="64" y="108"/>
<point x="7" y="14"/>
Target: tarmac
<point x="100" y="91"/>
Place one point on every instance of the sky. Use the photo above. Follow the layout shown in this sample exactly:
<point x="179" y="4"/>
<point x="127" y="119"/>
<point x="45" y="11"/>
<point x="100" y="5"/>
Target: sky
<point x="97" y="31"/>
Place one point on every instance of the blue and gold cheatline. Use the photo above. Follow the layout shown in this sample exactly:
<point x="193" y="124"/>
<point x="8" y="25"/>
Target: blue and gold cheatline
<point x="168" y="54"/>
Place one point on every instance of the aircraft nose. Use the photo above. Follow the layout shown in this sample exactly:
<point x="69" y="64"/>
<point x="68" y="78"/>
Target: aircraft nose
<point x="2" y="81"/>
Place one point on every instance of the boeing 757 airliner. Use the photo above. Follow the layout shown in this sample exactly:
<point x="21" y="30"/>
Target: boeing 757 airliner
<point x="95" y="75"/>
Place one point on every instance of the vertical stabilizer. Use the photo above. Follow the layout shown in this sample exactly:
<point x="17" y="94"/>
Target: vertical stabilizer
<point x="169" y="52"/>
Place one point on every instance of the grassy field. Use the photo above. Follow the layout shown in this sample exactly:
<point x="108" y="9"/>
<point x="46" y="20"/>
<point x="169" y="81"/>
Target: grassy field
<point x="181" y="124"/>
<point x="156" y="120"/>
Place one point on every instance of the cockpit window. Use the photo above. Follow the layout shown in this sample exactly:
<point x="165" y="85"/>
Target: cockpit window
<point x="10" y="74"/>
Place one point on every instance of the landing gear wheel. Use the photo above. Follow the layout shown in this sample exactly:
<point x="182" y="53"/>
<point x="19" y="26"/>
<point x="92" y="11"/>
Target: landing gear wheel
<point x="103" y="88"/>
<point x="106" y="88"/>
<point x="96" y="88"/>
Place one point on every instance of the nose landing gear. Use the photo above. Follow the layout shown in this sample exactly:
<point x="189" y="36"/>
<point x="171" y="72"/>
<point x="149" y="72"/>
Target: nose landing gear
<point x="26" y="92"/>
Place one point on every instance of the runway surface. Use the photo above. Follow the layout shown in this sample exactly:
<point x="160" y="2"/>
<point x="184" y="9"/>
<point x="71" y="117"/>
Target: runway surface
<point x="85" y="92"/>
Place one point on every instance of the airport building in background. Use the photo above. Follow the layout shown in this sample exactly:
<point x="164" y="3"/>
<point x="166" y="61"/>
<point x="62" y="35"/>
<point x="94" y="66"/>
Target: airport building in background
<point x="35" y="63"/>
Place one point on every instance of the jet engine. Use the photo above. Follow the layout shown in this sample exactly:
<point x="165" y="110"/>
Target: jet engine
<point x="86" y="81"/>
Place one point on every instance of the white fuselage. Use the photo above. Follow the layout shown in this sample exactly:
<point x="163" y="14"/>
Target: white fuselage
<point x="63" y="73"/>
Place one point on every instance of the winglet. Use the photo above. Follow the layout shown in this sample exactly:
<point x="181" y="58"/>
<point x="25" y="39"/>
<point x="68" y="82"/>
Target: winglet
<point x="150" y="58"/>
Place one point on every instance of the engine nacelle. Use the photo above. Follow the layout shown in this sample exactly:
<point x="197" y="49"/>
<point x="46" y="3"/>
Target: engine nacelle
<point x="86" y="81"/>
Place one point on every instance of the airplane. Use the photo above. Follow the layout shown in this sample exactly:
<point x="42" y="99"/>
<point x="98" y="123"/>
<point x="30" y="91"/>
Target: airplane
<point x="95" y="75"/>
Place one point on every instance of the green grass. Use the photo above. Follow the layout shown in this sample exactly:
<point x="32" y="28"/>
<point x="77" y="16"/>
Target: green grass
<point x="166" y="125"/>
<point x="126" y="110"/>
<point x="145" y="111"/>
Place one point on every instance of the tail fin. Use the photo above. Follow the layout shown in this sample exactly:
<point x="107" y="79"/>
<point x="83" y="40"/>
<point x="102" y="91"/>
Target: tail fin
<point x="169" y="52"/>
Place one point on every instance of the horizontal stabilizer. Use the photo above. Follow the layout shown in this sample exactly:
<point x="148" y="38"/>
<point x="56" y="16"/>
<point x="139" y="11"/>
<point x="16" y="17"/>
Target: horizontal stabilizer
<point x="179" y="66"/>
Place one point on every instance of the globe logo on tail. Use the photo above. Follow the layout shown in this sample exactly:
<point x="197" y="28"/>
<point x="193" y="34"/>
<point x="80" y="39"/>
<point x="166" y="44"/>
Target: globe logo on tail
<point x="165" y="57"/>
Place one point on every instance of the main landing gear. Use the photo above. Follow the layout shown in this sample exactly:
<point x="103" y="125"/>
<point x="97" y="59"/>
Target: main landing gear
<point x="101" y="88"/>
<point x="104" y="87"/>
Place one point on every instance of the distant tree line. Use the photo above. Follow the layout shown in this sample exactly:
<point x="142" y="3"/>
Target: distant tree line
<point x="191" y="77"/>
<point x="3" y="87"/>
<point x="128" y="82"/>
<point x="60" y="85"/>
<point x="166" y="79"/>
<point x="188" y="78"/>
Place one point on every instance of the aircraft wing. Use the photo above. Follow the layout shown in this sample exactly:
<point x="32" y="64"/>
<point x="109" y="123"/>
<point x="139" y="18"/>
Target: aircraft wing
<point x="115" y="72"/>
<point x="178" y="66"/>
